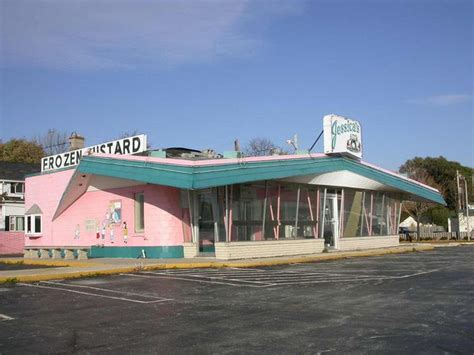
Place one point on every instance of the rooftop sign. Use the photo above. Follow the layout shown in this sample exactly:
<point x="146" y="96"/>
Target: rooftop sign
<point x="342" y="136"/>
<point x="125" y="146"/>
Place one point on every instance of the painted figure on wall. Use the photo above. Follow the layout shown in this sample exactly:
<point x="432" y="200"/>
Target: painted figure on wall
<point x="102" y="233"/>
<point x="125" y="232"/>
<point x="77" y="232"/>
<point x="112" y="235"/>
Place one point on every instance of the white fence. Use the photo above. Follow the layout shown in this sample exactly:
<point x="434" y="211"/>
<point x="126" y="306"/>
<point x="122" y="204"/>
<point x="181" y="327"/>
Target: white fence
<point x="436" y="236"/>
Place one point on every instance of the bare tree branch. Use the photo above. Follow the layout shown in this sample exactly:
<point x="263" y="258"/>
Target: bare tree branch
<point x="53" y="141"/>
<point x="261" y="147"/>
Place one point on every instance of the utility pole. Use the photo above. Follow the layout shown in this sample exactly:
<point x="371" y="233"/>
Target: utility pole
<point x="467" y="210"/>
<point x="459" y="209"/>
<point x="466" y="203"/>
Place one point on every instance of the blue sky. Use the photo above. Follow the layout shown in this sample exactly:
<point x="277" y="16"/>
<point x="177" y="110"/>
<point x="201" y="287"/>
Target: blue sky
<point x="202" y="73"/>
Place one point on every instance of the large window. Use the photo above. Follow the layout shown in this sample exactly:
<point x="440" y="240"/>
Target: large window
<point x="34" y="224"/>
<point x="268" y="210"/>
<point x="139" y="212"/>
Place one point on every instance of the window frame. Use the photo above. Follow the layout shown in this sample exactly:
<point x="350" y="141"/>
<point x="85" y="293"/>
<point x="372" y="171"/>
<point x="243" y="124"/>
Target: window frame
<point x="137" y="205"/>
<point x="14" y="188"/>
<point x="31" y="223"/>
<point x="13" y="221"/>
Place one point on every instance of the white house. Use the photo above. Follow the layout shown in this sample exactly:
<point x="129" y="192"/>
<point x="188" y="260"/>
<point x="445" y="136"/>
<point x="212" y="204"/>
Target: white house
<point x="12" y="194"/>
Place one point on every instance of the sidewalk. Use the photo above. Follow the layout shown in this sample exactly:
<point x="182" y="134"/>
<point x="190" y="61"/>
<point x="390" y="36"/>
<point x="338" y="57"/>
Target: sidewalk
<point x="95" y="267"/>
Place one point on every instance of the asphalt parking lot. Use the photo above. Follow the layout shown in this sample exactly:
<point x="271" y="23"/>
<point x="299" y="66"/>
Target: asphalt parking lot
<point x="416" y="302"/>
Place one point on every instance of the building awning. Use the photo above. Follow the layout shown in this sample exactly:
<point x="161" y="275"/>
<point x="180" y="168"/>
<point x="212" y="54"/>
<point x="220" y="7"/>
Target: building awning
<point x="186" y="174"/>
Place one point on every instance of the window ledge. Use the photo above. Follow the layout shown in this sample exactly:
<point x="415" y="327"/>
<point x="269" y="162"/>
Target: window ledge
<point x="34" y="235"/>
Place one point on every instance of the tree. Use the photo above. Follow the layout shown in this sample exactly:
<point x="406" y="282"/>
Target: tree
<point x="53" y="142"/>
<point x="262" y="146"/>
<point x="418" y="209"/>
<point x="21" y="151"/>
<point x="443" y="173"/>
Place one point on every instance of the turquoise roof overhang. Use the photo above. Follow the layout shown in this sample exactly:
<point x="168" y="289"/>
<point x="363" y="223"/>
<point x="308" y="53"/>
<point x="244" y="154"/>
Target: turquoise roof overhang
<point x="210" y="175"/>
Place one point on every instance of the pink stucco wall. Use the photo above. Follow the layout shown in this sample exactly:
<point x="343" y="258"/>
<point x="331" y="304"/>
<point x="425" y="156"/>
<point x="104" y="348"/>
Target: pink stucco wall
<point x="45" y="191"/>
<point x="163" y="215"/>
<point x="11" y="243"/>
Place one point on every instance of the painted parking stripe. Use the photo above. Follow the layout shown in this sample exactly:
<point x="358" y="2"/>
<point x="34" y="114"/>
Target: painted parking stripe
<point x="205" y="276"/>
<point x="92" y="294"/>
<point x="4" y="317"/>
<point x="149" y="276"/>
<point x="106" y="290"/>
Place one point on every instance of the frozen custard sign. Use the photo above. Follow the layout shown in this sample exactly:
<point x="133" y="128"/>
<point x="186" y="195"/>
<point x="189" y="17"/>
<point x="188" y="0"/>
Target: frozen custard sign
<point x="342" y="136"/>
<point x="125" y="146"/>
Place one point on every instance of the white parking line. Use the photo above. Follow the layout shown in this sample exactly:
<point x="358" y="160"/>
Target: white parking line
<point x="92" y="294"/>
<point x="171" y="277"/>
<point x="107" y="290"/>
<point x="268" y="278"/>
<point x="3" y="317"/>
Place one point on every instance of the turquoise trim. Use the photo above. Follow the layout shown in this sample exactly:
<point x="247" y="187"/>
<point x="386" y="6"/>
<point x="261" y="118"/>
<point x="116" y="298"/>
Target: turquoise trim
<point x="200" y="177"/>
<point x="161" y="252"/>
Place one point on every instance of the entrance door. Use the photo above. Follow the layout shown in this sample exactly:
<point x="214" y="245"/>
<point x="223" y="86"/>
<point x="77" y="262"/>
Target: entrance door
<point x="205" y="223"/>
<point x="330" y="224"/>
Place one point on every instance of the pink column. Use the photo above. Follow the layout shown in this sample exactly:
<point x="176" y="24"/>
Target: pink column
<point x="341" y="219"/>
<point x="317" y="213"/>
<point x="272" y="215"/>
<point x="311" y="211"/>
<point x="278" y="211"/>
<point x="371" y="211"/>
<point x="230" y="212"/>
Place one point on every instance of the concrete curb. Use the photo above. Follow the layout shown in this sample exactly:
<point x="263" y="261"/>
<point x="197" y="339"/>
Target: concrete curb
<point x="71" y="263"/>
<point x="104" y="270"/>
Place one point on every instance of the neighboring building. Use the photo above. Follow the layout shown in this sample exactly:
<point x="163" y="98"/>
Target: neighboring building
<point x="12" y="206"/>
<point x="460" y="224"/>
<point x="184" y="203"/>
<point x="12" y="192"/>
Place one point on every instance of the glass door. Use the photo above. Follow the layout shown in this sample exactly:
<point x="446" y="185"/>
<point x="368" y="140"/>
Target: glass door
<point x="330" y="221"/>
<point x="205" y="223"/>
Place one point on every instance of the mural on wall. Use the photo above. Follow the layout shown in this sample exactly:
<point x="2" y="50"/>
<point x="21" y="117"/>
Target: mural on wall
<point x="113" y="215"/>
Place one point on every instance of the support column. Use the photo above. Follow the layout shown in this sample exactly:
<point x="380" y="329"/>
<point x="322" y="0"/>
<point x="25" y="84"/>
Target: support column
<point x="69" y="254"/>
<point x="82" y="254"/>
<point x="44" y="253"/>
